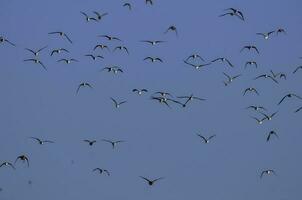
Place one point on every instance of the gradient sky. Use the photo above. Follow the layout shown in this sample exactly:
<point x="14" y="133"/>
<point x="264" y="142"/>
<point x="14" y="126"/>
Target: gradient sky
<point x="159" y="141"/>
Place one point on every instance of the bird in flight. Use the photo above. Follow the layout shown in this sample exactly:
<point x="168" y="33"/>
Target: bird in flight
<point x="23" y="158"/>
<point x="153" y="59"/>
<point x="41" y="141"/>
<point x="298" y="68"/>
<point x="280" y="30"/>
<point x="258" y="120"/>
<point x="37" y="61"/>
<point x="117" y="104"/>
<point x="36" y="53"/>
<point x="206" y="140"/>
<point x="139" y="91"/>
<point x="121" y="48"/>
<point x="113" y="143"/>
<point x="194" y="56"/>
<point x="113" y="69"/>
<point x="165" y="100"/>
<point x="222" y="59"/>
<point x="267" y="172"/>
<point x="269" y="117"/>
<point x="153" y="42"/>
<point x="266" y="77"/>
<point x="149" y="1"/>
<point x="3" y="39"/>
<point x="172" y="28"/>
<point x="151" y="182"/>
<point x="68" y="61"/>
<point x="163" y="94"/>
<point x="278" y="75"/>
<point x="231" y="78"/>
<point x="88" y="18"/>
<point x="233" y="12"/>
<point x="83" y="84"/>
<point x="58" y="51"/>
<point x="250" y="47"/>
<point x="250" y="89"/>
<point x="266" y="35"/>
<point x="102" y="46"/>
<point x="93" y="57"/>
<point x="190" y="98"/>
<point x="101" y="171"/>
<point x="110" y="38"/>
<point x="62" y="34"/>
<point x="256" y="108"/>
<point x="127" y="5"/>
<point x="99" y="16"/>
<point x="7" y="164"/>
<point x="196" y="66"/>
<point x="251" y="63"/>
<point x="290" y="95"/>
<point x="90" y="142"/>
<point x="270" y="135"/>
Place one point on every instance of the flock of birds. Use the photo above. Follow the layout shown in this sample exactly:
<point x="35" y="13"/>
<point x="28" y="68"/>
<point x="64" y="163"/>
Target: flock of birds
<point x="163" y="97"/>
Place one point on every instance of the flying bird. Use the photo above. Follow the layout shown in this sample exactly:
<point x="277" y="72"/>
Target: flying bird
<point x="153" y="42"/>
<point x="62" y="34"/>
<point x="256" y="108"/>
<point x="163" y="94"/>
<point x="231" y="78"/>
<point x="37" y="61"/>
<point x="280" y="30"/>
<point x="266" y="35"/>
<point x="290" y="95"/>
<point x="149" y="1"/>
<point x="36" y="53"/>
<point x="250" y="47"/>
<point x="259" y="121"/>
<point x="99" y="16"/>
<point x="190" y="98"/>
<point x="267" y="172"/>
<point x="270" y="135"/>
<point x="251" y="63"/>
<point x="172" y="28"/>
<point x="90" y="142"/>
<point x="206" y="140"/>
<point x="113" y="143"/>
<point x="194" y="56"/>
<point x="127" y="5"/>
<point x="151" y="182"/>
<point x="164" y="100"/>
<point x="23" y="158"/>
<point x="121" y="48"/>
<point x="153" y="59"/>
<point x="139" y="91"/>
<point x="83" y="84"/>
<point x="197" y="66"/>
<point x="110" y="38"/>
<point x="68" y="61"/>
<point x="117" y="104"/>
<point x="40" y="141"/>
<point x="250" y="89"/>
<point x="88" y="18"/>
<point x="7" y="164"/>
<point x="101" y="171"/>
<point x="222" y="59"/>
<point x="3" y="39"/>
<point x="269" y="117"/>
<point x="93" y="57"/>
<point x="266" y="77"/>
<point x="101" y="46"/>
<point x="233" y="12"/>
<point x="113" y="69"/>
<point x="58" y="51"/>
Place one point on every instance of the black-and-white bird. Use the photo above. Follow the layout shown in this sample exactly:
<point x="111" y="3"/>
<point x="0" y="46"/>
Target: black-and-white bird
<point x="153" y="59"/>
<point x="149" y="2"/>
<point x="197" y="66"/>
<point x="87" y="18"/>
<point x="270" y="135"/>
<point x="23" y="158"/>
<point x="110" y="38"/>
<point x="151" y="182"/>
<point x="194" y="56"/>
<point x="153" y="42"/>
<point x="83" y="85"/>
<point x="101" y="171"/>
<point x="36" y="52"/>
<point x="190" y="98"/>
<point x="250" y="47"/>
<point x="266" y="35"/>
<point x="269" y="116"/>
<point x="172" y="28"/>
<point x="266" y="76"/>
<point x="113" y="143"/>
<point x="90" y="142"/>
<point x="222" y="59"/>
<point x="116" y="103"/>
<point x="250" y="89"/>
<point x="37" y="61"/>
<point x="121" y="48"/>
<point x="3" y="39"/>
<point x="99" y="16"/>
<point x="256" y="108"/>
<point x="68" y="61"/>
<point x="259" y="121"/>
<point x="231" y="78"/>
<point x="290" y="95"/>
<point x="164" y="94"/>
<point x="139" y="91"/>
<point x="267" y="172"/>
<point x="57" y="51"/>
<point x="164" y="100"/>
<point x="206" y="140"/>
<point x="280" y="30"/>
<point x="94" y="57"/>
<point x="251" y="63"/>
<point x="101" y="46"/>
<point x="114" y="69"/>
<point x="128" y="5"/>
<point x="62" y="34"/>
<point x="279" y="75"/>
<point x="7" y="164"/>
<point x="233" y="12"/>
<point x="40" y="141"/>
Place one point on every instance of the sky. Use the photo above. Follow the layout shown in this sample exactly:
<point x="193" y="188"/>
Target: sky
<point x="159" y="141"/>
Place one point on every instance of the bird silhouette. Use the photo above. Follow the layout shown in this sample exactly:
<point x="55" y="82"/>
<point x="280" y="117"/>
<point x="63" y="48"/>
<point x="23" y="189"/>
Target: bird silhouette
<point x="22" y="158"/>
<point x="40" y="141"/>
<point x="151" y="182"/>
<point x="62" y="34"/>
<point x="206" y="140"/>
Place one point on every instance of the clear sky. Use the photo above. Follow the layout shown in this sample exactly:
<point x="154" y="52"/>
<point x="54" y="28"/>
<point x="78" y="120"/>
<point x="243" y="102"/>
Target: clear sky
<point x="159" y="142"/>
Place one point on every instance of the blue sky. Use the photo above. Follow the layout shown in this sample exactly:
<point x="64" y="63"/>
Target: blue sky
<point x="159" y="141"/>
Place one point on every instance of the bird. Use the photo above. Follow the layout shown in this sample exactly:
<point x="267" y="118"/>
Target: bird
<point x="266" y="35"/>
<point x="206" y="140"/>
<point x="37" y="61"/>
<point x="93" y="57"/>
<point x="153" y="59"/>
<point x="139" y="91"/>
<point x="83" y="84"/>
<point x="90" y="142"/>
<point x="233" y="12"/>
<point x="196" y="66"/>
<point x="110" y="37"/>
<point x="259" y="121"/>
<point x="222" y="59"/>
<point x="113" y="143"/>
<point x="251" y="63"/>
<point x="117" y="104"/>
<point x="113" y="69"/>
<point x="3" y="39"/>
<point x="163" y="94"/>
<point x="121" y="48"/>
<point x="190" y="98"/>
<point x="231" y="78"/>
<point x="153" y="42"/>
<point x="41" y="141"/>
<point x="280" y="30"/>
<point x="88" y="18"/>
<point x="250" y="89"/>
<point x="102" y="171"/>
<point x="127" y="5"/>
<point x="36" y="53"/>
<point x="99" y="16"/>
<point x="68" y="61"/>
<point x="266" y="77"/>
<point x="300" y="108"/>
<point x="101" y="46"/>
<point x="58" y="51"/>
<point x="289" y="95"/>
<point x="149" y="1"/>
<point x="151" y="182"/>
<point x="256" y="108"/>
<point x="23" y="158"/>
<point x="298" y="68"/>
<point x="163" y="100"/>
<point x="7" y="164"/>
<point x="268" y="172"/>
<point x="62" y="34"/>
<point x="278" y="75"/>
<point x="269" y="117"/>
<point x="172" y="28"/>
<point x="195" y="56"/>
<point x="270" y="134"/>
<point x="250" y="47"/>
